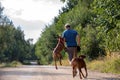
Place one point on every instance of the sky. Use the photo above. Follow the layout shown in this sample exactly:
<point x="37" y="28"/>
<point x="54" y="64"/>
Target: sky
<point x="31" y="15"/>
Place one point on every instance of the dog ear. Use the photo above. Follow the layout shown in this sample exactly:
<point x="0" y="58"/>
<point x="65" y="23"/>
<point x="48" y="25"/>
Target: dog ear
<point x="82" y="56"/>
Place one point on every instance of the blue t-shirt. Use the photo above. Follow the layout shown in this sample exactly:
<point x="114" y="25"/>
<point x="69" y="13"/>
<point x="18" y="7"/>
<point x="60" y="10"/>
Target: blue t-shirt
<point x="70" y="37"/>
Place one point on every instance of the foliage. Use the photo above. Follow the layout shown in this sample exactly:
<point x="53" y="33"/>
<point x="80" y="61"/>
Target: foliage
<point x="90" y="44"/>
<point x="107" y="16"/>
<point x="45" y="45"/>
<point x="13" y="45"/>
<point x="97" y="22"/>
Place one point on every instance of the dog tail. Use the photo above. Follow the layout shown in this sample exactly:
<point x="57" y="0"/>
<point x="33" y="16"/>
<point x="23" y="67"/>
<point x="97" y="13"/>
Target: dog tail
<point x="82" y="56"/>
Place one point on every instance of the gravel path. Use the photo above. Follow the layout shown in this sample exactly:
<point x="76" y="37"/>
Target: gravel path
<point x="49" y="73"/>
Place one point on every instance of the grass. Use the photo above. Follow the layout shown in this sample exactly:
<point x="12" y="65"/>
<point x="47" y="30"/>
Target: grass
<point x="65" y="62"/>
<point x="102" y="64"/>
<point x="107" y="65"/>
<point x="12" y="64"/>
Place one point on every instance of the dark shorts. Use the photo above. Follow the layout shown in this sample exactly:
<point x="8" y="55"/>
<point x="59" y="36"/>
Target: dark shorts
<point x="72" y="52"/>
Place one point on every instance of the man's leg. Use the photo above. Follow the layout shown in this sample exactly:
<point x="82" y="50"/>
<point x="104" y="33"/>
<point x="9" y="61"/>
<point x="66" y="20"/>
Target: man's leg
<point x="72" y="52"/>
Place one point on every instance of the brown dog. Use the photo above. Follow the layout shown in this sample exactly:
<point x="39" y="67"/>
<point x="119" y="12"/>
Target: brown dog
<point x="79" y="63"/>
<point x="56" y="52"/>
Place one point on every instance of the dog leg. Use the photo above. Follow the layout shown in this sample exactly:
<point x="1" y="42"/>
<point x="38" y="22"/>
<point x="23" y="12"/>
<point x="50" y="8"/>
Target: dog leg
<point x="60" y="62"/>
<point x="86" y="72"/>
<point x="74" y="72"/>
<point x="55" y="63"/>
<point x="80" y="72"/>
<point x="60" y="59"/>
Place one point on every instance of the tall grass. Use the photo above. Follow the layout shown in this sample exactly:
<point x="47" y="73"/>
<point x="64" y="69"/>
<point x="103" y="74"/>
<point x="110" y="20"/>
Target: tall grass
<point x="107" y="65"/>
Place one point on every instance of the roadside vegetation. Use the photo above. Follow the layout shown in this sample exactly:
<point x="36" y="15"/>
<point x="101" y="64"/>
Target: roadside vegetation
<point x="10" y="64"/>
<point x="106" y="65"/>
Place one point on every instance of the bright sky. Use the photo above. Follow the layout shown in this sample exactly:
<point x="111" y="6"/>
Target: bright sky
<point x="31" y="15"/>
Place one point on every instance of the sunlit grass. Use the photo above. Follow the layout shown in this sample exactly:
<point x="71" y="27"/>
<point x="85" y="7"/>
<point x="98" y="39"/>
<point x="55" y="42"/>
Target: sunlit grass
<point x="12" y="64"/>
<point x="107" y="65"/>
<point x="65" y="62"/>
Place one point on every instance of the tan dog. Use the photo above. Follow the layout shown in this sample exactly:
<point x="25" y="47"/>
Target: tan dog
<point x="56" y="52"/>
<point x="79" y="63"/>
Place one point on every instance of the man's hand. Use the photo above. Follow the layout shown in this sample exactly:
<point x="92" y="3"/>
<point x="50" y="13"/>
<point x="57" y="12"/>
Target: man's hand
<point x="78" y="48"/>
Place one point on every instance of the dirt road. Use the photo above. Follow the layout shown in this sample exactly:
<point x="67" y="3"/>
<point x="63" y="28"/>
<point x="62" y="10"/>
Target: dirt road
<point x="49" y="73"/>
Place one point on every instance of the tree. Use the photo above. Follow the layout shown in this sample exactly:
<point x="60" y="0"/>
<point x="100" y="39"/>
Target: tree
<point x="4" y="20"/>
<point x="107" y="17"/>
<point x="13" y="45"/>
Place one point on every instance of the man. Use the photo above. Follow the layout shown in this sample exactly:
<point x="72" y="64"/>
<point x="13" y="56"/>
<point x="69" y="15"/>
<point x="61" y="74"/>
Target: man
<point x="72" y="40"/>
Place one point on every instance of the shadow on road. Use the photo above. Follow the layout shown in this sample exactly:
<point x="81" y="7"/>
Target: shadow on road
<point x="25" y="73"/>
<point x="39" y="70"/>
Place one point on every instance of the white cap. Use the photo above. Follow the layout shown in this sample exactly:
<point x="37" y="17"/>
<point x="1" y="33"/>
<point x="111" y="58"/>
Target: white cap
<point x="67" y="24"/>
